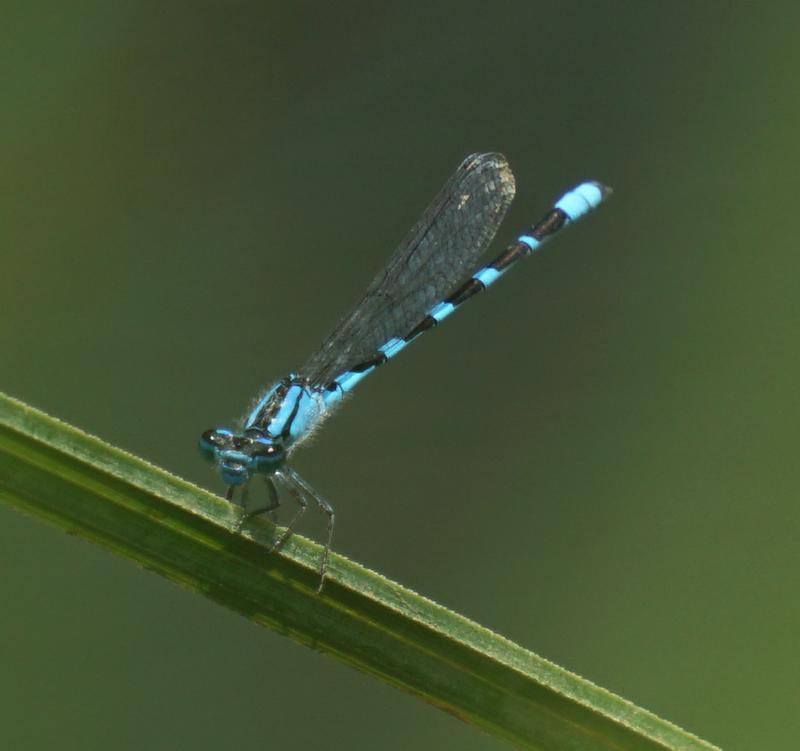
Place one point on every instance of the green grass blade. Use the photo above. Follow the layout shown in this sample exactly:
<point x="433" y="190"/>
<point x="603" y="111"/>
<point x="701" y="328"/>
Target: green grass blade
<point x="56" y="472"/>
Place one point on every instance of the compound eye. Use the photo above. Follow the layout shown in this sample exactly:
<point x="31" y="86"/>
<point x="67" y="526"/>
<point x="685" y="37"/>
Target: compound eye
<point x="213" y="440"/>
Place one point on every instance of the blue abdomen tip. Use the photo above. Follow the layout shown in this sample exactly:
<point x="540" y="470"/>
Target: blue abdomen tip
<point x="592" y="192"/>
<point x="582" y="199"/>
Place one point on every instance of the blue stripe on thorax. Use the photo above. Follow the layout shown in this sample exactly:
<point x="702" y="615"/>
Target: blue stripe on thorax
<point x="255" y="413"/>
<point x="287" y="408"/>
<point x="309" y="411"/>
<point x="289" y="417"/>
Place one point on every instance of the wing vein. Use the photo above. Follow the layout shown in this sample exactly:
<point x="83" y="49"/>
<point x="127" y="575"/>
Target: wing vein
<point x="437" y="253"/>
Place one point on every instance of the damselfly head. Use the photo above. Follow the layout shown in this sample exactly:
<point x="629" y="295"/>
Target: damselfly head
<point x="240" y="456"/>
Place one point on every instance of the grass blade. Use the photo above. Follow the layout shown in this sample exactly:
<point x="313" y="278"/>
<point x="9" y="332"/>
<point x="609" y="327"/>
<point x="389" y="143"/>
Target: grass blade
<point x="83" y="485"/>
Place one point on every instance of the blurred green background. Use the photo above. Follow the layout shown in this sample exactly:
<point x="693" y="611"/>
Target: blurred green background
<point x="596" y="459"/>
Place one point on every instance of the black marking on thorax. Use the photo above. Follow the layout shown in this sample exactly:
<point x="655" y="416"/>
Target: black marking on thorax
<point x="273" y="406"/>
<point x="287" y="428"/>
